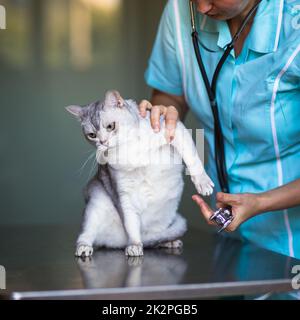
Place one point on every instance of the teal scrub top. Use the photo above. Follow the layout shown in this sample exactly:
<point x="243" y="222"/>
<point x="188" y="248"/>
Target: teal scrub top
<point x="258" y="96"/>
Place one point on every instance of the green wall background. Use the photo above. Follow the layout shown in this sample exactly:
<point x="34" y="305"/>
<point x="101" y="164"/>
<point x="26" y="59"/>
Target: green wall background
<point x="55" y="53"/>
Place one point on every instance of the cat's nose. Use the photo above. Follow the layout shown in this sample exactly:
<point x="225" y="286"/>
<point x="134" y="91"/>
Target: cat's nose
<point x="103" y="141"/>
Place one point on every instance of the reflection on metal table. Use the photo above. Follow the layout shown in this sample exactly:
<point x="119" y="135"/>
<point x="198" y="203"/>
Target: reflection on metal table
<point x="40" y="264"/>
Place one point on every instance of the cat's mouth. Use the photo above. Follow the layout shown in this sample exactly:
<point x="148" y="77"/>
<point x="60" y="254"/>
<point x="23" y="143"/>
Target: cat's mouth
<point x="104" y="147"/>
<point x="104" y="150"/>
<point x="102" y="153"/>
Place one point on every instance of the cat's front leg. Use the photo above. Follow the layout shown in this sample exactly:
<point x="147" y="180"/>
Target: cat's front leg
<point x="132" y="225"/>
<point x="185" y="146"/>
<point x="86" y="238"/>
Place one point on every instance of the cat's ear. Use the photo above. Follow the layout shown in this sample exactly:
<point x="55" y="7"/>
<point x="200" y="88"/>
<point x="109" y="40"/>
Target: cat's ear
<point x="75" y="111"/>
<point x="113" y="99"/>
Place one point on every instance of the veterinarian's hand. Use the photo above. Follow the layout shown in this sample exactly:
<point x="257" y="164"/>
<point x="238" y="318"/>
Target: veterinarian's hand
<point x="170" y="113"/>
<point x="244" y="206"/>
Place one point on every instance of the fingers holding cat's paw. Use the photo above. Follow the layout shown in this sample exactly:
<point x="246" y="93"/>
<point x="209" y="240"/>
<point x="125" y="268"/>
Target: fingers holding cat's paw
<point x="134" y="250"/>
<point x="203" y="184"/>
<point x="84" y="250"/>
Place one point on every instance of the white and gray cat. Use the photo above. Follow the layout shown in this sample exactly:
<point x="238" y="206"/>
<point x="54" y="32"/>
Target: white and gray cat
<point x="132" y="200"/>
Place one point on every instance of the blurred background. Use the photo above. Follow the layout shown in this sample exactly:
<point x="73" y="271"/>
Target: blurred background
<point x="55" y="53"/>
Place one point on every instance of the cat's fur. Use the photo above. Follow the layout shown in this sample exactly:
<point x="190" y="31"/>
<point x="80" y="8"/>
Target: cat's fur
<point x="132" y="201"/>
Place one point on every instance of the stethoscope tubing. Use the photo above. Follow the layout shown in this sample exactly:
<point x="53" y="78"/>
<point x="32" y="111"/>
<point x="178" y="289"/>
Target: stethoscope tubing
<point x="219" y="148"/>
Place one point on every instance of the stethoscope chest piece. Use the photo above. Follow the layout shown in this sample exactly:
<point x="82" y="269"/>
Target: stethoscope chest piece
<point x="222" y="217"/>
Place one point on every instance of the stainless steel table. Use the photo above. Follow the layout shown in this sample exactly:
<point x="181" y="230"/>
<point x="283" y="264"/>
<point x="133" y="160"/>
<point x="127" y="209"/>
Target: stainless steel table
<point x="40" y="264"/>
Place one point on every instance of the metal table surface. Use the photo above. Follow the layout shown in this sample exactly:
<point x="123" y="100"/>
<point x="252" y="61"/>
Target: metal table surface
<point x="40" y="264"/>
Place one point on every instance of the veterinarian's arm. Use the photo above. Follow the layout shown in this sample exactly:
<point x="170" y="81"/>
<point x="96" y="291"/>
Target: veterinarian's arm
<point x="171" y="106"/>
<point x="284" y="197"/>
<point x="248" y="205"/>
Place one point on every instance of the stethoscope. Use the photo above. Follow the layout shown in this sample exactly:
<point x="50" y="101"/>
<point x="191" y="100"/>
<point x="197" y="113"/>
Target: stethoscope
<point x="223" y="216"/>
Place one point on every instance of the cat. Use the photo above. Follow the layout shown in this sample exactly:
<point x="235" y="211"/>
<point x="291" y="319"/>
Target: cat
<point x="132" y="200"/>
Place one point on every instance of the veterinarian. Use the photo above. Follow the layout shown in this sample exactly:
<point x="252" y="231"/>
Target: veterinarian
<point x="258" y="96"/>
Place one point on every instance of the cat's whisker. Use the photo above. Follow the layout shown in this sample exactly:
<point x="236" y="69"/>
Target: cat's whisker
<point x="89" y="151"/>
<point x="94" y="165"/>
<point x="86" y="161"/>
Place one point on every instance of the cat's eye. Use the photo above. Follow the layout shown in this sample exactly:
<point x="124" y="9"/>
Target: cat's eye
<point x="92" y="135"/>
<point x="111" y="126"/>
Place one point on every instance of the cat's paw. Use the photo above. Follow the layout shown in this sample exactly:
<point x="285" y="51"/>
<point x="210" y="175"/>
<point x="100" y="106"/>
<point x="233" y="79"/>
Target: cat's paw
<point x="203" y="184"/>
<point x="171" y="244"/>
<point x="134" y="250"/>
<point x="83" y="250"/>
<point x="85" y="262"/>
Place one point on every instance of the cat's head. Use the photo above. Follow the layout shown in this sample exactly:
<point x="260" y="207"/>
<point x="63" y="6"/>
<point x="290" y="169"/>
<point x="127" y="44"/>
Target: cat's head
<point x="106" y="124"/>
